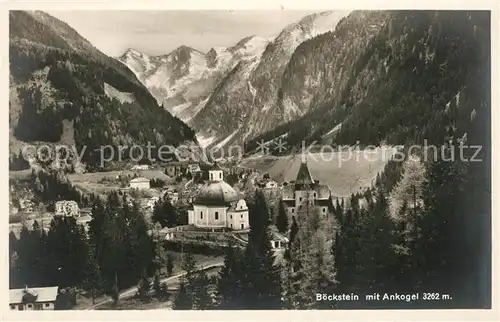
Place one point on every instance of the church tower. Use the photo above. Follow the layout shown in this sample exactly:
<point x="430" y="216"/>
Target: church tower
<point x="216" y="173"/>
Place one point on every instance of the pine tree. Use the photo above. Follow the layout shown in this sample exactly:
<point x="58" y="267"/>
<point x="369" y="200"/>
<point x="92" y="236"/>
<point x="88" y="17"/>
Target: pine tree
<point x="282" y="219"/>
<point x="92" y="280"/>
<point x="170" y="264"/>
<point x="143" y="288"/>
<point x="201" y="290"/>
<point x="262" y="284"/>
<point x="231" y="279"/>
<point x="183" y="300"/>
<point x="312" y="258"/>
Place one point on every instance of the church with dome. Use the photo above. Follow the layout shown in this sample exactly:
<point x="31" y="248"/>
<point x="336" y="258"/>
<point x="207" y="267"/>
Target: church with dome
<point x="218" y="205"/>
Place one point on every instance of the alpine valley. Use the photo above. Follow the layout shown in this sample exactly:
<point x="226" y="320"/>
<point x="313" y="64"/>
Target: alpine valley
<point x="393" y="195"/>
<point x="331" y="77"/>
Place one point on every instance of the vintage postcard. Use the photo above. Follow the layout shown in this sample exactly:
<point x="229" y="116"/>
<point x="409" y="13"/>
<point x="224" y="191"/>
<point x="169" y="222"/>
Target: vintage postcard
<point x="291" y="159"/>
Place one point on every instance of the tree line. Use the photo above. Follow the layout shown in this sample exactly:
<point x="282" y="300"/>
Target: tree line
<point x="361" y="248"/>
<point x="115" y="252"/>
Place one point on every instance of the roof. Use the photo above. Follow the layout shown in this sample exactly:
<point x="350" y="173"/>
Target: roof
<point x="276" y="235"/>
<point x="216" y="193"/>
<point x="304" y="175"/>
<point x="140" y="180"/>
<point x="43" y="294"/>
<point x="234" y="204"/>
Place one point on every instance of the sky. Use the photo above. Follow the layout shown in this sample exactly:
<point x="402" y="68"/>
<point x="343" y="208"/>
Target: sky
<point x="160" y="32"/>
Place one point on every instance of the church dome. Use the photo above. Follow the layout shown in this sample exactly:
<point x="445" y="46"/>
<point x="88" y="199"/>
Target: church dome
<point x="216" y="193"/>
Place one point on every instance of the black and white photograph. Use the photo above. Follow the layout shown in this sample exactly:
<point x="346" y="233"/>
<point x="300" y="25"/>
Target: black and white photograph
<point x="250" y="159"/>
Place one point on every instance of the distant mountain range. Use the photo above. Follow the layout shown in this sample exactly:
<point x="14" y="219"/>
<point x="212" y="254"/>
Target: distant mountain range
<point x="228" y="94"/>
<point x="182" y="80"/>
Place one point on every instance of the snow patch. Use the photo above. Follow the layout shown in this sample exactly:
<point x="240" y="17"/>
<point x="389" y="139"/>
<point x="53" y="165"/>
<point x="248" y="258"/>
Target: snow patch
<point x="226" y="140"/>
<point x="334" y="130"/>
<point x="122" y="97"/>
<point x="179" y="109"/>
<point x="196" y="110"/>
<point x="289" y="107"/>
<point x="253" y="47"/>
<point x="205" y="141"/>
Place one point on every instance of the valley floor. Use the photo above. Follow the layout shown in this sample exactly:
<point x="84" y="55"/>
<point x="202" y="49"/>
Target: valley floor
<point x="344" y="172"/>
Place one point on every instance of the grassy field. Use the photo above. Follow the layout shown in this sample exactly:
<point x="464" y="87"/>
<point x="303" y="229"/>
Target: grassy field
<point x="95" y="177"/>
<point x="344" y="172"/>
<point x="91" y="182"/>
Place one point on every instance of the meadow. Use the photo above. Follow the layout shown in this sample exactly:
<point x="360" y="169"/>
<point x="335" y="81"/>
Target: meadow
<point x="344" y="172"/>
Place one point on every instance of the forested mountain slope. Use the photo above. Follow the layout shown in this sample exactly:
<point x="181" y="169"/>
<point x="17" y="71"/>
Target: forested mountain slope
<point x="64" y="89"/>
<point x="420" y="76"/>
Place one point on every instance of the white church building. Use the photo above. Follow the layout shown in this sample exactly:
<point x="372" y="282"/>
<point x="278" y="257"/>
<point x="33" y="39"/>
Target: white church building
<point x="218" y="205"/>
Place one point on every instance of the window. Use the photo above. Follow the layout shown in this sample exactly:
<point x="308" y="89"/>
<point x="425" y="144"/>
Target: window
<point x="20" y="307"/>
<point x="293" y="210"/>
<point x="12" y="307"/>
<point x="300" y="199"/>
<point x="38" y="306"/>
<point x="324" y="209"/>
<point x="315" y="195"/>
<point x="220" y="175"/>
<point x="30" y="306"/>
<point x="231" y="216"/>
<point x="241" y="216"/>
<point x="201" y="214"/>
<point x="216" y="215"/>
<point x="47" y="304"/>
<point x="242" y="226"/>
<point x="211" y="176"/>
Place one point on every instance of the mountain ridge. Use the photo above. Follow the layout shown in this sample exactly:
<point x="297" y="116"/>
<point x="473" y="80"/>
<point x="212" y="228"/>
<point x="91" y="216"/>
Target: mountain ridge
<point x="56" y="75"/>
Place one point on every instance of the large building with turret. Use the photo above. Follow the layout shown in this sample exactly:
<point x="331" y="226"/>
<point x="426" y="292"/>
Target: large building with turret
<point x="218" y="205"/>
<point x="305" y="191"/>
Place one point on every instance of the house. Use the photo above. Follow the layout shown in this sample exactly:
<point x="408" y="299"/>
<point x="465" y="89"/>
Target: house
<point x="278" y="240"/>
<point x="151" y="202"/>
<point x="140" y="167"/>
<point x="38" y="299"/>
<point x="174" y="197"/>
<point x="173" y="169"/>
<point x="26" y="205"/>
<point x="271" y="184"/>
<point x="68" y="208"/>
<point x="139" y="183"/>
<point x="305" y="192"/>
<point x="218" y="205"/>
<point x="193" y="168"/>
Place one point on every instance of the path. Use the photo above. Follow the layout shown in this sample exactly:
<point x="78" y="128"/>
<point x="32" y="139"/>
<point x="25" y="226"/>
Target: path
<point x="133" y="290"/>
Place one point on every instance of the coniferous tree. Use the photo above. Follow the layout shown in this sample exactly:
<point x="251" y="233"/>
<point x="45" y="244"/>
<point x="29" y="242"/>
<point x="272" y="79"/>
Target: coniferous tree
<point x="92" y="278"/>
<point x="282" y="219"/>
<point x="170" y="264"/>
<point x="262" y="285"/>
<point x="183" y="299"/>
<point x="231" y="278"/>
<point x="311" y="258"/>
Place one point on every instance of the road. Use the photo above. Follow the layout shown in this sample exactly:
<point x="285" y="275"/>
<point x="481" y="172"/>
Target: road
<point x="133" y="290"/>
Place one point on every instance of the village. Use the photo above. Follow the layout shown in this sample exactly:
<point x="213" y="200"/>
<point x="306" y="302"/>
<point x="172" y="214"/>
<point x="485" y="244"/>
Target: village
<point x="209" y="198"/>
<point x="210" y="205"/>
